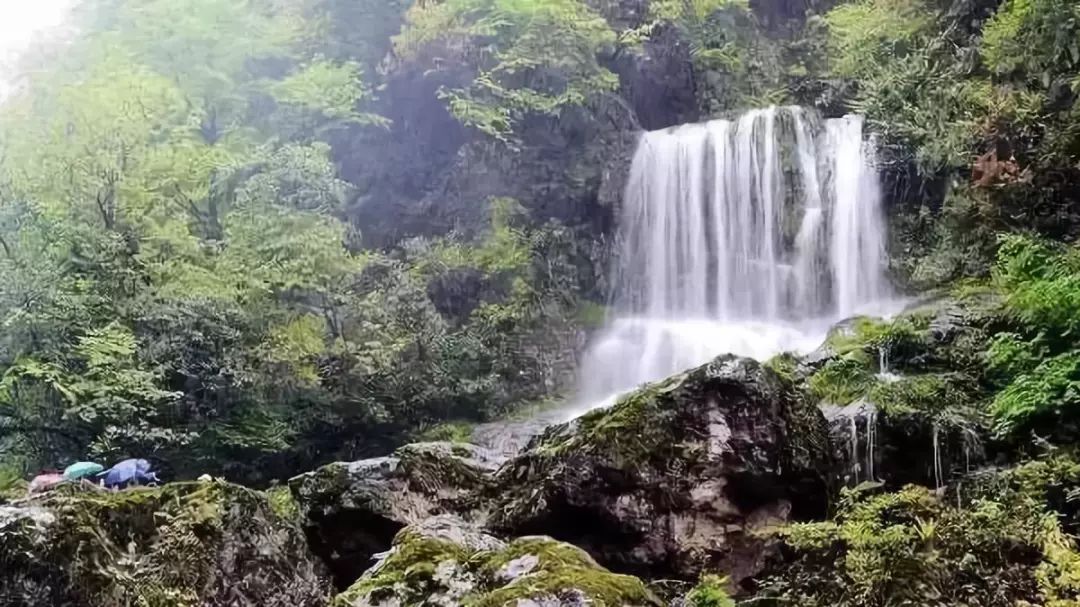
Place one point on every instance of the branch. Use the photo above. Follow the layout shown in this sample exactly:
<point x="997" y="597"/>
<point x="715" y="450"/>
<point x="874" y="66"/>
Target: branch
<point x="7" y="249"/>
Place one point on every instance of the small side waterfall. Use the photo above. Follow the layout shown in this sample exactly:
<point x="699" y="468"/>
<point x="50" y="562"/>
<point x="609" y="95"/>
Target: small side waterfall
<point x="748" y="236"/>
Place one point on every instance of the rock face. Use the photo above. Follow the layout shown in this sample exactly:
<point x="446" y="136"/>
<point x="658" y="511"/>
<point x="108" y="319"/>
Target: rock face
<point x="352" y="511"/>
<point x="675" y="478"/>
<point x="445" y="562"/>
<point x="184" y="544"/>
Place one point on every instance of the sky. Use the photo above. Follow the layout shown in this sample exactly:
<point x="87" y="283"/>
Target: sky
<point x="22" y="20"/>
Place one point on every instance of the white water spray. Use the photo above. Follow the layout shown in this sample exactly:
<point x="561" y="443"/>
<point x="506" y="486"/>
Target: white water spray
<point x="749" y="236"/>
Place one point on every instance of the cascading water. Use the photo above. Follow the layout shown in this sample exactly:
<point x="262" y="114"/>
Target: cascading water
<point x="748" y="236"/>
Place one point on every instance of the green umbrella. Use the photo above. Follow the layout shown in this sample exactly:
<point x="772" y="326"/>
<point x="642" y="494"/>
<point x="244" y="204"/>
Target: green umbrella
<point x="82" y="470"/>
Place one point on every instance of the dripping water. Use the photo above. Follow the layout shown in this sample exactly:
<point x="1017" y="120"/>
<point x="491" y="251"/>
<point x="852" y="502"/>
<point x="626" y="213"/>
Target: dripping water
<point x="871" y="436"/>
<point x="884" y="373"/>
<point x="938" y="473"/>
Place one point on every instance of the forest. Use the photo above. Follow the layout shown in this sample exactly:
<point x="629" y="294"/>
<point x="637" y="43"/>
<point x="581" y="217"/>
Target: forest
<point x="249" y="238"/>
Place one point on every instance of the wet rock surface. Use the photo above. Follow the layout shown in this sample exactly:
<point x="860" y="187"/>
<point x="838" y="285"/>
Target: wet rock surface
<point x="508" y="438"/>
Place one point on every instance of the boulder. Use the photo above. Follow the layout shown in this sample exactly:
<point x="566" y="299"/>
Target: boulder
<point x="183" y="544"/>
<point x="676" y="478"/>
<point x="353" y="510"/>
<point x="446" y="562"/>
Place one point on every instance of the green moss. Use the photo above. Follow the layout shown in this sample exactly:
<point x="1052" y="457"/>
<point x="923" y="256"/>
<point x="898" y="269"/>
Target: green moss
<point x="144" y="546"/>
<point x="432" y="467"/>
<point x="901" y="338"/>
<point x="785" y="365"/>
<point x="178" y="545"/>
<point x="409" y="575"/>
<point x="561" y="567"/>
<point x="635" y="429"/>
<point x="841" y="381"/>
<point x="410" y="567"/>
<point x="331" y="479"/>
<point x="12" y="484"/>
<point x="283" y="503"/>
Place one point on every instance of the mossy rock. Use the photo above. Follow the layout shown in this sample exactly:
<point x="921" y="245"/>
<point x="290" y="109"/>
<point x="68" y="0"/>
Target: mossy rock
<point x="444" y="561"/>
<point x="942" y="334"/>
<point x="352" y="510"/>
<point x="907" y="398"/>
<point x="676" y="478"/>
<point x="181" y="544"/>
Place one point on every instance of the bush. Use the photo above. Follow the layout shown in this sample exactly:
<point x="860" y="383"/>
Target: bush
<point x="909" y="548"/>
<point x="1039" y="367"/>
<point x="709" y="592"/>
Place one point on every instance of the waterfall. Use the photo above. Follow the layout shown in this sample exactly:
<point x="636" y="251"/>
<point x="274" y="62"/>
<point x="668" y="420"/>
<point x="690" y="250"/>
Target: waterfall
<point x="857" y="238"/>
<point x="748" y="236"/>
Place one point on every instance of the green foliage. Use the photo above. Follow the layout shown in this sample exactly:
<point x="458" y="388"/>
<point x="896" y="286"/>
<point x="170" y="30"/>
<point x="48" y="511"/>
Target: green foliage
<point x="709" y="592"/>
<point x="540" y="57"/>
<point x="947" y="401"/>
<point x="179" y="276"/>
<point x="867" y="32"/>
<point x="841" y="381"/>
<point x="329" y="91"/>
<point x="708" y="26"/>
<point x="504" y="249"/>
<point x="1048" y="392"/>
<point x="1038" y="369"/>
<point x="1010" y="356"/>
<point x="914" y="72"/>
<point x="909" y="548"/>
<point x="1038" y="39"/>
<point x="785" y="365"/>
<point x="1041" y="283"/>
<point x="741" y="66"/>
